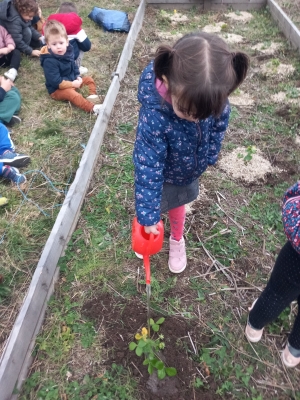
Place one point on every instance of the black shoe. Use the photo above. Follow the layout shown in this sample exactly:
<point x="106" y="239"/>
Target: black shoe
<point x="14" y="121"/>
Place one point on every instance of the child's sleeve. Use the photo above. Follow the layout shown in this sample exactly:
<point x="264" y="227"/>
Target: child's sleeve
<point x="17" y="36"/>
<point x="149" y="157"/>
<point x="84" y="43"/>
<point x="52" y="74"/>
<point x="219" y="126"/>
<point x="35" y="34"/>
<point x="7" y="38"/>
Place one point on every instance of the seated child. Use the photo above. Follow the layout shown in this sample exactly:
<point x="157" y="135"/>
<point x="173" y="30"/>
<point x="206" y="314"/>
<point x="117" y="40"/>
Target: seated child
<point x="10" y="102"/>
<point x="67" y="15"/>
<point x="9" y="160"/>
<point x="15" y="17"/>
<point x="9" y="55"/>
<point x="284" y="283"/>
<point x="61" y="72"/>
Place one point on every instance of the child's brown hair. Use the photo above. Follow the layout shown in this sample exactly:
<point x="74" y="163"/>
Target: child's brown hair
<point x="26" y="6"/>
<point x="201" y="71"/>
<point x="53" y="27"/>
<point x="67" y="7"/>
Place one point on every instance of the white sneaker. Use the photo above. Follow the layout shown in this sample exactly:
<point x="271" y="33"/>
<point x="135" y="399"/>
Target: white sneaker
<point x="83" y="70"/>
<point x="11" y="74"/>
<point x="94" y="98"/>
<point x="97" y="108"/>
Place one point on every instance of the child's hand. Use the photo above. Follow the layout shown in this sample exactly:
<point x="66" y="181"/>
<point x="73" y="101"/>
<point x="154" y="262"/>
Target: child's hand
<point x="6" y="84"/>
<point x="79" y="79"/>
<point x="35" y="53"/>
<point x="76" y="84"/>
<point x="5" y="50"/>
<point x="151" y="229"/>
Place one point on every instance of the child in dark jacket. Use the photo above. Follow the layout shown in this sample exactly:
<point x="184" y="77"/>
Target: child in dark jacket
<point x="182" y="123"/>
<point x="67" y="15"/>
<point x="9" y="55"/>
<point x="15" y="17"/>
<point x="284" y="284"/>
<point x="61" y="72"/>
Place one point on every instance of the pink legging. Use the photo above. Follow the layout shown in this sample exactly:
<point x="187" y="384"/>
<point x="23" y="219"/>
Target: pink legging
<point x="177" y="219"/>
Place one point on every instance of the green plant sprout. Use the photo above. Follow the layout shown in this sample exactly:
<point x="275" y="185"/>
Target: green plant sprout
<point x="250" y="150"/>
<point x="150" y="348"/>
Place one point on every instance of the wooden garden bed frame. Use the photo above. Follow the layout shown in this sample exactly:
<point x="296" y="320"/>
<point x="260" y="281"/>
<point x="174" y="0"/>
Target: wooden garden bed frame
<point x="16" y="357"/>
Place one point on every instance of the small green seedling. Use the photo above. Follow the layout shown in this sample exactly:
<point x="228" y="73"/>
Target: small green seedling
<point x="150" y="348"/>
<point x="250" y="150"/>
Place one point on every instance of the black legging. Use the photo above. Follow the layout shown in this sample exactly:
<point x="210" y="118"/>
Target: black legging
<point x="282" y="288"/>
<point x="11" y="59"/>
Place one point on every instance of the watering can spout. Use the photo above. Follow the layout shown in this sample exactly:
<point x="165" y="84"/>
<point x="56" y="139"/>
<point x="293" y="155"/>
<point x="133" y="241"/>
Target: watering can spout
<point x="146" y="244"/>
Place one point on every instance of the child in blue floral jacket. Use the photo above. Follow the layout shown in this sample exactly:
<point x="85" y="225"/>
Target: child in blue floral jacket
<point x="284" y="284"/>
<point x="182" y="122"/>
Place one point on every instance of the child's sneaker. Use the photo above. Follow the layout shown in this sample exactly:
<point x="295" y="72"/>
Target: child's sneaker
<point x="177" y="256"/>
<point x="253" y="335"/>
<point x="11" y="74"/>
<point x="288" y="359"/>
<point x="13" y="174"/>
<point x="14" y="121"/>
<point x="97" y="109"/>
<point x="14" y="159"/>
<point x="3" y="201"/>
<point x="94" y="98"/>
<point x="83" y="70"/>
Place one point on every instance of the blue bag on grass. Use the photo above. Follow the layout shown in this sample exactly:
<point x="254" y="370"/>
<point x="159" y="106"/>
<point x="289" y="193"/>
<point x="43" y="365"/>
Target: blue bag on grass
<point x="110" y="20"/>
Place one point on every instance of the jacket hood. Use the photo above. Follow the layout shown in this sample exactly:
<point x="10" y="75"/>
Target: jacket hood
<point x="46" y="53"/>
<point x="71" y="21"/>
<point x="8" y="11"/>
<point x="148" y="95"/>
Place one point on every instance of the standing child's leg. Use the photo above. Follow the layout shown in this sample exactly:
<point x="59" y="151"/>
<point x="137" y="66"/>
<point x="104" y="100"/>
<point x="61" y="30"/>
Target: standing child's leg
<point x="177" y="254"/>
<point x="282" y="288"/>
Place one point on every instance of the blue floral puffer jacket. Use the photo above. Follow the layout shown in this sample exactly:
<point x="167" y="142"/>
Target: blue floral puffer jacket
<point x="291" y="215"/>
<point x="168" y="148"/>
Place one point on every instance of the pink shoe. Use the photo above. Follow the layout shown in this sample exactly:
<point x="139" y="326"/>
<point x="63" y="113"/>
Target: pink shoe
<point x="253" y="335"/>
<point x="177" y="256"/>
<point x="288" y="359"/>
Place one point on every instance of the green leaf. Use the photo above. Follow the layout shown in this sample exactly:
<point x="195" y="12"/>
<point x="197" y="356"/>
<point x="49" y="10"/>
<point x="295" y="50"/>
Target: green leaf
<point x="150" y="369"/>
<point x="138" y="351"/>
<point x="171" y="371"/>
<point x="155" y="328"/>
<point x="146" y="361"/>
<point x="151" y="321"/>
<point x="142" y="343"/>
<point x="132" y="345"/>
<point x="159" y="365"/>
<point x="161" y="373"/>
<point x="160" y="321"/>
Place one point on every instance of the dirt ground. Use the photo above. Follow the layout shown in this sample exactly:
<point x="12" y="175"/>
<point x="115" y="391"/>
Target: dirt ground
<point x="174" y="330"/>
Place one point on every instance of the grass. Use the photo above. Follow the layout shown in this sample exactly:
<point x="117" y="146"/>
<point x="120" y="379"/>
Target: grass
<point x="54" y="135"/>
<point x="243" y="237"/>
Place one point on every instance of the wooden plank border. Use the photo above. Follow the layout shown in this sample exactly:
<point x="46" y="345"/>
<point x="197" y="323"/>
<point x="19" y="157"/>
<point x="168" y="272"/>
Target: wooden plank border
<point x="16" y="356"/>
<point x="209" y="5"/>
<point x="287" y="26"/>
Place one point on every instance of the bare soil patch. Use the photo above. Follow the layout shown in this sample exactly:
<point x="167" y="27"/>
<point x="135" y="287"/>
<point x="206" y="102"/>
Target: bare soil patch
<point x="178" y="348"/>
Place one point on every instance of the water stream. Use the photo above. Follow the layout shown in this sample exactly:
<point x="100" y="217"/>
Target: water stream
<point x="148" y="291"/>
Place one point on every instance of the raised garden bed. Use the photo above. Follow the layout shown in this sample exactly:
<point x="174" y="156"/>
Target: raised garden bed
<point x="99" y="305"/>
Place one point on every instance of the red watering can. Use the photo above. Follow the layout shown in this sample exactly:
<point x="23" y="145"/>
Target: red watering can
<point x="146" y="244"/>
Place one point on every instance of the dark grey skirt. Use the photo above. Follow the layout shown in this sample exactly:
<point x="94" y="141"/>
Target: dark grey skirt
<point x="175" y="196"/>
